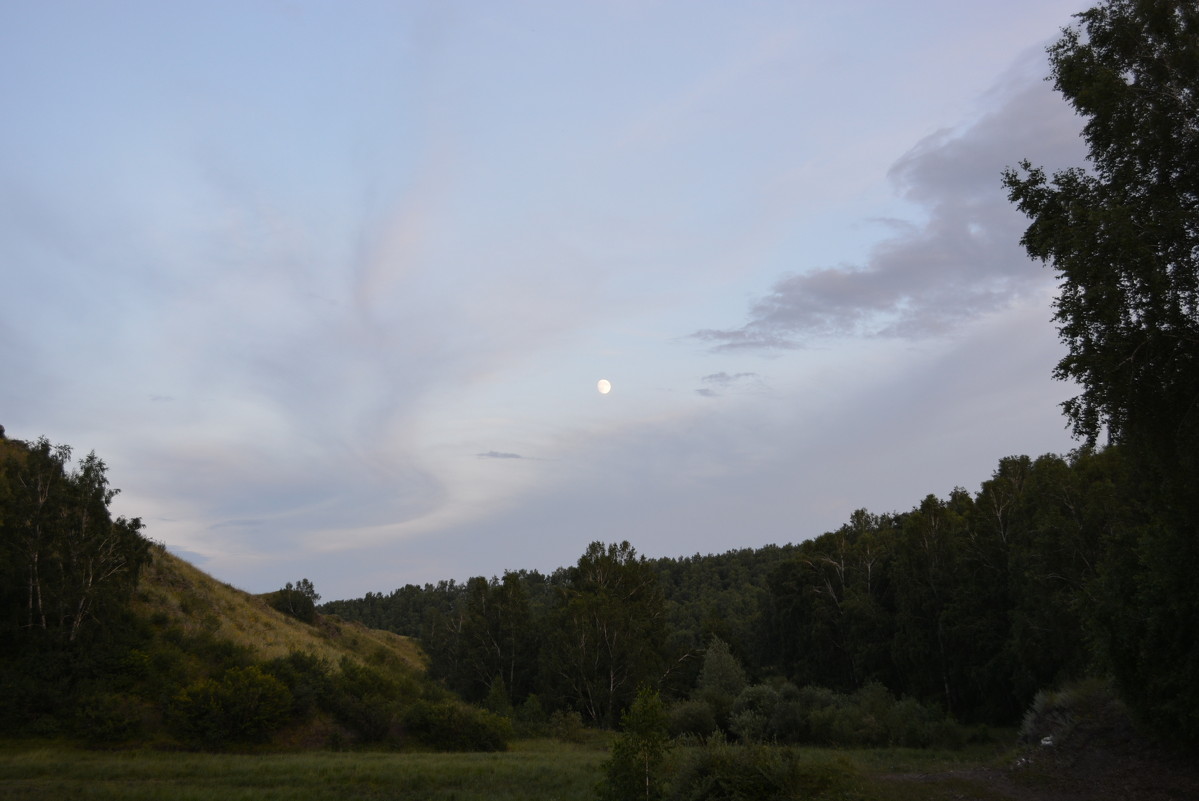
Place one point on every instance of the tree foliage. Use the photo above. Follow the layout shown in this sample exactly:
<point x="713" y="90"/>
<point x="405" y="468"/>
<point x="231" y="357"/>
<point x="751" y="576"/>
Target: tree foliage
<point x="1123" y="237"/>
<point x="633" y="772"/>
<point x="66" y="562"/>
<point x="609" y="626"/>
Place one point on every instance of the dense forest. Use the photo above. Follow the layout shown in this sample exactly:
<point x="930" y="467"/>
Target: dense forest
<point x="969" y="604"/>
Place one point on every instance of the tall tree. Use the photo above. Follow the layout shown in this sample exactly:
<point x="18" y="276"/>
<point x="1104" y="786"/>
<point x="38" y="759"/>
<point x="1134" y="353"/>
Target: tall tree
<point x="610" y="631"/>
<point x="1124" y="238"/>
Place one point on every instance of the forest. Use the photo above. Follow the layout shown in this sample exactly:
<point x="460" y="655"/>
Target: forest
<point x="967" y="604"/>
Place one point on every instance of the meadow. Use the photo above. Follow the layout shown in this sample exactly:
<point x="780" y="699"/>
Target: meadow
<point x="533" y="769"/>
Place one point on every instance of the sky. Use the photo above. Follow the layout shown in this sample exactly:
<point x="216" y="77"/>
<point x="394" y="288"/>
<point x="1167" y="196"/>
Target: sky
<point x="329" y="286"/>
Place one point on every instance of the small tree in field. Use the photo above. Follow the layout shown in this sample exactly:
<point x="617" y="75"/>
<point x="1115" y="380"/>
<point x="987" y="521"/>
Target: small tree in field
<point x="632" y="771"/>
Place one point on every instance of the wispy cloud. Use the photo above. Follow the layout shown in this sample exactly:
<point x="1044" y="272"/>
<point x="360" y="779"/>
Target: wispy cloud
<point x="716" y="383"/>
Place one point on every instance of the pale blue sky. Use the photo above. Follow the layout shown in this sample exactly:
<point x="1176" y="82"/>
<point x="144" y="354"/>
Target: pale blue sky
<point x="329" y="285"/>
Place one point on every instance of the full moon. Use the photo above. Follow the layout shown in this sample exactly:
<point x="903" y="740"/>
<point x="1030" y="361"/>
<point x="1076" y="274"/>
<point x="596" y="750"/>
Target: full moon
<point x="604" y="386"/>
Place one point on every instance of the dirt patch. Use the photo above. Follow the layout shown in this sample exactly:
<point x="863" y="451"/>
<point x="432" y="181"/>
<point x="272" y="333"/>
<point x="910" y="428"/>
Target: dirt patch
<point x="1079" y="771"/>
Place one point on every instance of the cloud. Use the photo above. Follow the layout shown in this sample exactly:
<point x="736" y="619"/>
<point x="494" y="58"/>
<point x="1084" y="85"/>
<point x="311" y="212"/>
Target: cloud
<point x="962" y="261"/>
<point x="243" y="523"/>
<point x="722" y="381"/>
<point x="499" y="455"/>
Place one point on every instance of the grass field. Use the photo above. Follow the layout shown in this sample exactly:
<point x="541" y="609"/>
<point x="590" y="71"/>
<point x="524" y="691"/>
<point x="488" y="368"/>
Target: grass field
<point x="532" y="769"/>
<point x="546" y="770"/>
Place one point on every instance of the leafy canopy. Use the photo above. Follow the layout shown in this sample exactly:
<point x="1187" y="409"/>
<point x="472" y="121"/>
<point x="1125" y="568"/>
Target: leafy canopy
<point x="1124" y="235"/>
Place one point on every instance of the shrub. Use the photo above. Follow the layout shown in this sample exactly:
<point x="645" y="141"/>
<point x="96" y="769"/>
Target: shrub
<point x="910" y="724"/>
<point x="497" y="698"/>
<point x="752" y="712"/>
<point x="567" y="726"/>
<point x="294" y="603"/>
<point x="869" y="717"/>
<point x="1091" y="705"/>
<point x="307" y="677"/>
<point x="788" y="722"/>
<point x="453" y="726"/>
<point x="721" y="772"/>
<point x="111" y="718"/>
<point x="694" y="718"/>
<point x="246" y="705"/>
<point x="368" y="701"/>
<point x="531" y="720"/>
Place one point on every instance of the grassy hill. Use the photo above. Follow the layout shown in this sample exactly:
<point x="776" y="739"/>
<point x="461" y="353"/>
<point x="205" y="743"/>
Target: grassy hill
<point x="172" y="592"/>
<point x="191" y="662"/>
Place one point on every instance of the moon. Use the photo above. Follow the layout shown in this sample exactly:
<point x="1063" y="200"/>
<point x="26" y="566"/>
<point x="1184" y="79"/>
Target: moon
<point x="604" y="386"/>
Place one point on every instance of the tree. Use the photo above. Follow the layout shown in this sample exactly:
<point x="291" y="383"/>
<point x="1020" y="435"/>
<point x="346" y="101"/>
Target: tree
<point x="634" y="769"/>
<point x="495" y="638"/>
<point x="1124" y="239"/>
<point x="721" y="680"/>
<point x="73" y="562"/>
<point x="610" y="621"/>
<point x="305" y="588"/>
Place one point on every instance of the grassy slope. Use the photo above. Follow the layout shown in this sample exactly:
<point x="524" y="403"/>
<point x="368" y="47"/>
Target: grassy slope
<point x="176" y="593"/>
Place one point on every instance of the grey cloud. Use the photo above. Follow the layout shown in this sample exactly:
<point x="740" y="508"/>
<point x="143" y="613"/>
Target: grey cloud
<point x="962" y="261"/>
<point x="243" y="523"/>
<point x="722" y="380"/>
<point x="499" y="455"/>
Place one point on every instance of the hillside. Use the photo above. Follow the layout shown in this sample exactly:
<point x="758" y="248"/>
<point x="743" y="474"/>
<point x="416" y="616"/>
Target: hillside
<point x="190" y="662"/>
<point x="175" y="593"/>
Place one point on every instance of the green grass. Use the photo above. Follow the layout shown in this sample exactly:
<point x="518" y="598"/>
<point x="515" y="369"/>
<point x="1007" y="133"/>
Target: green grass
<point x="533" y="769"/>
<point x="547" y="770"/>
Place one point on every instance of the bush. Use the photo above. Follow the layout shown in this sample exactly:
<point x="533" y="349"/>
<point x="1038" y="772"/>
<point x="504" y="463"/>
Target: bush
<point x="721" y="772"/>
<point x="1090" y="705"/>
<point x="113" y="718"/>
<point x="453" y="726"/>
<point x="694" y="718"/>
<point x="245" y="706"/>
<point x="307" y="678"/>
<point x="869" y="717"/>
<point x="910" y="724"/>
<point x="752" y="713"/>
<point x="531" y="720"/>
<point x="294" y="603"/>
<point x="497" y="700"/>
<point x="368" y="701"/>
<point x="567" y="726"/>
